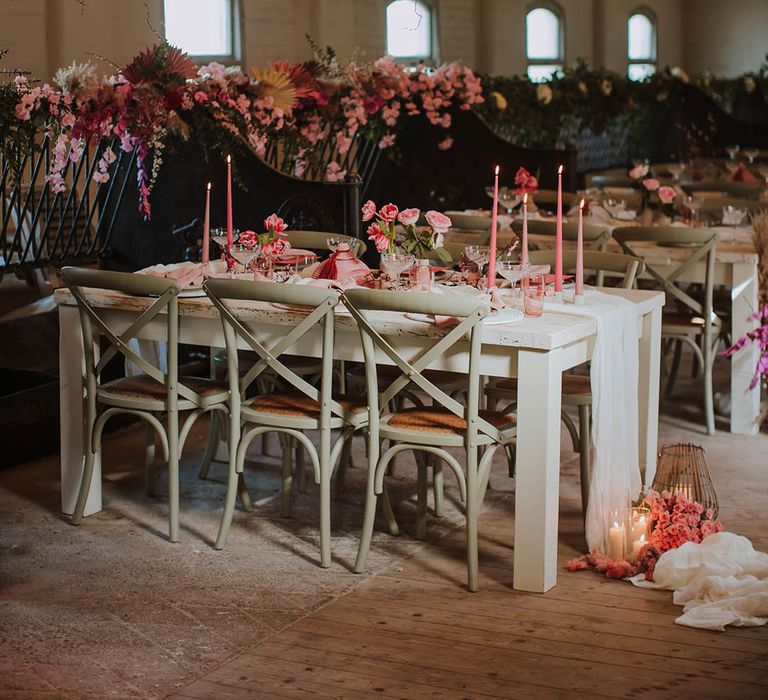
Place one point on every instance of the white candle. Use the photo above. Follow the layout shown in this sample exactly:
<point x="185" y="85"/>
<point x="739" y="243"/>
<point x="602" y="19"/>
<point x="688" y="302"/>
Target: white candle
<point x="640" y="527"/>
<point x="637" y="545"/>
<point x="524" y="253"/>
<point x="494" y="225"/>
<point x="616" y="538"/>
<point x="207" y="227"/>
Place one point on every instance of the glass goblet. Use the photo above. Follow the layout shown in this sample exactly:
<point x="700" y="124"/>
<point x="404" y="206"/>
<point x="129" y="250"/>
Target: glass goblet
<point x="751" y="154"/>
<point x="335" y="242"/>
<point x="394" y="264"/>
<point x="693" y="204"/>
<point x="732" y="151"/>
<point x="508" y="199"/>
<point x="244" y="255"/>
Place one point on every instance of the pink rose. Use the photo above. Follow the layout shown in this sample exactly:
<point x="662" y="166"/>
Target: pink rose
<point x="408" y="217"/>
<point x="388" y="213"/>
<point x="439" y="222"/>
<point x="667" y="194"/>
<point x="274" y="223"/>
<point x="638" y="171"/>
<point x="445" y="144"/>
<point x="651" y="184"/>
<point x="379" y="238"/>
<point x="369" y="210"/>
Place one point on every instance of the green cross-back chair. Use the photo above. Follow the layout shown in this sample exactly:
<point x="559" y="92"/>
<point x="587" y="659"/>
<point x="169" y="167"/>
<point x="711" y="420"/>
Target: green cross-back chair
<point x="146" y="396"/>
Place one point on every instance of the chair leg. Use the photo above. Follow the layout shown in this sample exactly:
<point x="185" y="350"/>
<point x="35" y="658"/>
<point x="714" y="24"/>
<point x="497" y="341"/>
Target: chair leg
<point x="286" y="493"/>
<point x="472" y="508"/>
<point x="214" y="436"/>
<point x="369" y="515"/>
<point x="709" y="399"/>
<point x="421" y="503"/>
<point x="672" y="375"/>
<point x="173" y="475"/>
<point x="233" y="481"/>
<point x="85" y="487"/>
<point x="585" y="446"/>
<point x="301" y="472"/>
<point x="244" y="493"/>
<point x="325" y="497"/>
<point x="345" y="462"/>
<point x="437" y="486"/>
<point x="150" y="479"/>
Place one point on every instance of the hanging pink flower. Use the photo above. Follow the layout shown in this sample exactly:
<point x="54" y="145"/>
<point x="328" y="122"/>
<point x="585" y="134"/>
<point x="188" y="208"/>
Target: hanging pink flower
<point x="388" y="213"/>
<point x="438" y="221"/>
<point x="369" y="210"/>
<point x="445" y="144"/>
<point x="639" y="171"/>
<point x="408" y="217"/>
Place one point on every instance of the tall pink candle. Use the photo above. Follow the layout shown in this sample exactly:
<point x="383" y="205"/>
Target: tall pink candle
<point x="494" y="232"/>
<point x="207" y="226"/>
<point x="559" y="234"/>
<point x="524" y="253"/>
<point x="229" y="202"/>
<point x="580" y="253"/>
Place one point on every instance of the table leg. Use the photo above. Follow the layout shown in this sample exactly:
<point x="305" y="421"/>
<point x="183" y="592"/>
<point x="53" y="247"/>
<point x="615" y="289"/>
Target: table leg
<point x="537" y="479"/>
<point x="71" y="415"/>
<point x="649" y="356"/>
<point x="745" y="402"/>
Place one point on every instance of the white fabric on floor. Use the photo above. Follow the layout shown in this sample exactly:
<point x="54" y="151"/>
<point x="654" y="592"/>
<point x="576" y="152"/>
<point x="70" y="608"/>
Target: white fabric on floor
<point x="721" y="581"/>
<point x="616" y="477"/>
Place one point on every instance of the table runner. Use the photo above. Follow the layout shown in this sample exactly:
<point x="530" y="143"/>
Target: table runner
<point x="615" y="479"/>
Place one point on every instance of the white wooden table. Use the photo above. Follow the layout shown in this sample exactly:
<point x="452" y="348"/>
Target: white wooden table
<point x="535" y="350"/>
<point x="736" y="264"/>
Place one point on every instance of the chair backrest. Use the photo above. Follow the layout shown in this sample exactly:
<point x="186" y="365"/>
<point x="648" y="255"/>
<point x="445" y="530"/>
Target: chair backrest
<point x="597" y="260"/>
<point x="632" y="200"/>
<point x="93" y="323"/>
<point x="468" y="311"/>
<point x="714" y="205"/>
<point x="316" y="240"/>
<point x="603" y="181"/>
<point x="747" y="190"/>
<point x="549" y="199"/>
<point x="595" y="237"/>
<point x="702" y="242"/>
<point x="317" y="303"/>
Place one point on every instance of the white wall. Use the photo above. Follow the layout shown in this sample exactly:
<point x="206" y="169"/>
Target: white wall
<point x="489" y="35"/>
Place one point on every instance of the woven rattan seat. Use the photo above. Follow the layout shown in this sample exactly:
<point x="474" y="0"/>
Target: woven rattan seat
<point x="143" y="386"/>
<point x="294" y="403"/>
<point x="441" y="420"/>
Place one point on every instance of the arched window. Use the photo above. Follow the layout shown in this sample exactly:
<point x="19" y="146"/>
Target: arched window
<point x="205" y="29"/>
<point x="641" y="45"/>
<point x="409" y="30"/>
<point x="544" y="46"/>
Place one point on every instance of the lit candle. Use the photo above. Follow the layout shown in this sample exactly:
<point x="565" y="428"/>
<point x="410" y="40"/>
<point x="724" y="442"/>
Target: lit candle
<point x="616" y="539"/>
<point x="637" y="545"/>
<point x="524" y="254"/>
<point x="229" y="203"/>
<point x="640" y="527"/>
<point x="559" y="237"/>
<point x="579" y="294"/>
<point x="494" y="225"/>
<point x="207" y="226"/>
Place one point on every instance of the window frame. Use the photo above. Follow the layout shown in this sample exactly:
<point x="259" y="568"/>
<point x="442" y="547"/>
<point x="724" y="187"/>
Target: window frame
<point x="557" y="10"/>
<point x="235" y="24"/>
<point x="432" y="59"/>
<point x="651" y="16"/>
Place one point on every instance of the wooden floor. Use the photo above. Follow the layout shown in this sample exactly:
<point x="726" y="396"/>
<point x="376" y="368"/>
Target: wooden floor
<point x="415" y="632"/>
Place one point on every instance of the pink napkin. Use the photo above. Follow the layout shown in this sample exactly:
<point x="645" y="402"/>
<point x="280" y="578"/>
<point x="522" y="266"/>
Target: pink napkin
<point x="185" y="273"/>
<point x="742" y="174"/>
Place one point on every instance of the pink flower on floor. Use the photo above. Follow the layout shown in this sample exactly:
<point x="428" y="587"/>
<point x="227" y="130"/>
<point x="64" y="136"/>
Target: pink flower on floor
<point x="274" y="223"/>
<point x="369" y="210"/>
<point x="667" y="194"/>
<point x="438" y="221"/>
<point x="408" y="217"/>
<point x="388" y="213"/>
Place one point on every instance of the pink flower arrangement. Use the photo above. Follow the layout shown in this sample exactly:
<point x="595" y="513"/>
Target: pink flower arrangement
<point x="526" y="183"/>
<point x="369" y="210"/>
<point x="651" y="184"/>
<point x="639" y="171"/>
<point x="760" y="336"/>
<point x="388" y="213"/>
<point x="380" y="239"/>
<point x="273" y="242"/>
<point x="667" y="194"/>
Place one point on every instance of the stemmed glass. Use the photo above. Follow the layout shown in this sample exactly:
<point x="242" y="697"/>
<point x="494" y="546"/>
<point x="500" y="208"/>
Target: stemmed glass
<point x="394" y="264"/>
<point x="732" y="151"/>
<point x="512" y="271"/>
<point x="477" y="254"/>
<point x="219" y="236"/>
<point x="244" y="255"/>
<point x="693" y="203"/>
<point x="334" y="242"/>
<point x="751" y="154"/>
<point x="508" y="199"/>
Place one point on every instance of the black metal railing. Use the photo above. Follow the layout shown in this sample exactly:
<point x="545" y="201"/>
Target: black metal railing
<point x="40" y="227"/>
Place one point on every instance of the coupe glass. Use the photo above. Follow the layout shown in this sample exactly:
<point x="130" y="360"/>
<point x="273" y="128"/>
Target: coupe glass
<point x="219" y="236"/>
<point x="508" y="199"/>
<point x="732" y="151"/>
<point x="394" y="264"/>
<point x="693" y="204"/>
<point x="478" y="254"/>
<point x="511" y="271"/>
<point x="751" y="154"/>
<point x="333" y="242"/>
<point x="244" y="255"/>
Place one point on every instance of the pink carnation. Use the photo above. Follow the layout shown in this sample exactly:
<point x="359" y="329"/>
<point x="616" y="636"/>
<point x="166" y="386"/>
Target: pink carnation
<point x="408" y="217"/>
<point x="388" y="213"/>
<point x="369" y="210"/>
<point x="438" y="221"/>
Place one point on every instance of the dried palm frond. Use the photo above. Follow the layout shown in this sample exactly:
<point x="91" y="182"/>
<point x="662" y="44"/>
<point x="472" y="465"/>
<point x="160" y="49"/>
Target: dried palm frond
<point x="277" y="85"/>
<point x="161" y="63"/>
<point x="760" y="240"/>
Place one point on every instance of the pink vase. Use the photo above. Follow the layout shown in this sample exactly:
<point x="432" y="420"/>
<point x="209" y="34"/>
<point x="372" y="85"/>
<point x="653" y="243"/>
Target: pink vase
<point x="344" y="265"/>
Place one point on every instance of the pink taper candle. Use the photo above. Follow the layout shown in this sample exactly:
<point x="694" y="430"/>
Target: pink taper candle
<point x="524" y="253"/>
<point x="494" y="233"/>
<point x="207" y="227"/>
<point x="559" y="234"/>
<point x="229" y="202"/>
<point x="580" y="253"/>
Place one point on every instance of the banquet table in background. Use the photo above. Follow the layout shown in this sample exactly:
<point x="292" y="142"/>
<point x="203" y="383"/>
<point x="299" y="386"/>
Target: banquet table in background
<point x="535" y="350"/>
<point x="736" y="265"/>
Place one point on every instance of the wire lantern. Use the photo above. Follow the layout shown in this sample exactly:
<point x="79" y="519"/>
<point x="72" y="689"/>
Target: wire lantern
<point x="682" y="467"/>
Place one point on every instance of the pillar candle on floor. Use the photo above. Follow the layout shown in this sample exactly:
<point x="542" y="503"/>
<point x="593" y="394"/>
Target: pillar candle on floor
<point x="616" y="540"/>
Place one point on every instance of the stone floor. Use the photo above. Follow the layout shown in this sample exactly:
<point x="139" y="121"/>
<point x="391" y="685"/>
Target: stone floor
<point x="111" y="609"/>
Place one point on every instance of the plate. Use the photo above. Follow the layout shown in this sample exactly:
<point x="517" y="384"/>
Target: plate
<point x="191" y="292"/>
<point x="339" y="308"/>
<point x="469" y="222"/>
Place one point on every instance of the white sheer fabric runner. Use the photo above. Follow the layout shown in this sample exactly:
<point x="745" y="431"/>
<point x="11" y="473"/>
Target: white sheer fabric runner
<point x="615" y="478"/>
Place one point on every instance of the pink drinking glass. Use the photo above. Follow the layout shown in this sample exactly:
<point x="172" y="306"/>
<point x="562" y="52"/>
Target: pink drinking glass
<point x="533" y="295"/>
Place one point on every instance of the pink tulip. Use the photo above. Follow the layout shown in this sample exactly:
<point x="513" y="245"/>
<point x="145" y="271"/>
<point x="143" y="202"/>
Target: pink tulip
<point x="274" y="223"/>
<point x="369" y="210"/>
<point x="388" y="213"/>
<point x="408" y="217"/>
